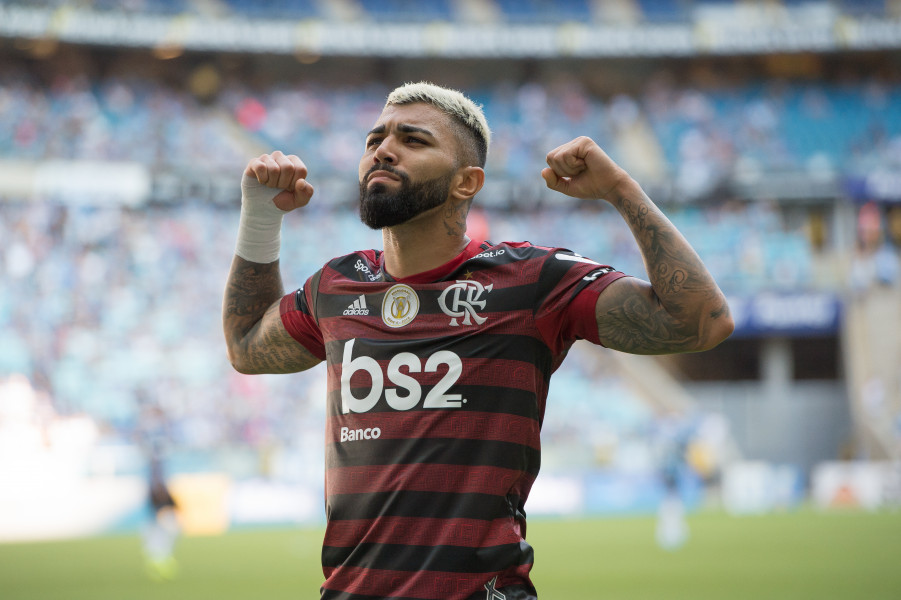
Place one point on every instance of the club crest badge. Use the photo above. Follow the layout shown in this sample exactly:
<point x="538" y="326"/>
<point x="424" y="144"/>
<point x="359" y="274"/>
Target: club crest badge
<point x="462" y="300"/>
<point x="400" y="306"/>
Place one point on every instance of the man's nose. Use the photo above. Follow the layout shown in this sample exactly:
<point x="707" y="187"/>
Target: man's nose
<point x="385" y="153"/>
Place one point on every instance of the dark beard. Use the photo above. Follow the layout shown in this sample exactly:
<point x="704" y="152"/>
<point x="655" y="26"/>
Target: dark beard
<point x="381" y="207"/>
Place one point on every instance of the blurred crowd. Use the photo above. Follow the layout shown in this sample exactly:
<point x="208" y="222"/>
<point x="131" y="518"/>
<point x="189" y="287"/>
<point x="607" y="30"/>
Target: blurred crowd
<point x="113" y="309"/>
<point x="692" y="137"/>
<point x="484" y="11"/>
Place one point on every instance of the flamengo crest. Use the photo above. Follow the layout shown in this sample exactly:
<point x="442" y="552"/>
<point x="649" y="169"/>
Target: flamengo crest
<point x="462" y="299"/>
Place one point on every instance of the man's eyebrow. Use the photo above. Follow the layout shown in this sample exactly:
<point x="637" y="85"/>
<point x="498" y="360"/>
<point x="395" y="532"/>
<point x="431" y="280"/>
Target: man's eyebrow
<point x="403" y="128"/>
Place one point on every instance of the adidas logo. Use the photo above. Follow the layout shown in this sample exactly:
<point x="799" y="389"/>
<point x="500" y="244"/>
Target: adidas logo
<point x="358" y="307"/>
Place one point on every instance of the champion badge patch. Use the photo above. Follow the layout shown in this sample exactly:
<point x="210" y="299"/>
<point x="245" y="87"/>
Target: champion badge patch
<point x="400" y="306"/>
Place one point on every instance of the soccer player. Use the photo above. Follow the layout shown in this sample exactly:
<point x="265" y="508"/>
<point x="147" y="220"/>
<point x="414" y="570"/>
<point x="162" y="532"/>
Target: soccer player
<point x="439" y="348"/>
<point x="160" y="533"/>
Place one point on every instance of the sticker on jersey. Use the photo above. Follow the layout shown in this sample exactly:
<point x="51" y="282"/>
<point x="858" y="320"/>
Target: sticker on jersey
<point x="576" y="258"/>
<point x="400" y="306"/>
<point x="461" y="300"/>
<point x="357" y="307"/>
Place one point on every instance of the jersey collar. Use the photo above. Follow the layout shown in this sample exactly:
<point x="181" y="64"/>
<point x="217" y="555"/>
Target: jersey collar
<point x="438" y="273"/>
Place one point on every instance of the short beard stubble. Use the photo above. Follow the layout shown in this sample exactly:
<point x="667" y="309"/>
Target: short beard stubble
<point x="381" y="207"/>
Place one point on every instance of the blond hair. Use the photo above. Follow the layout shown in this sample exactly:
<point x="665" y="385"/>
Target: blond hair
<point x="452" y="103"/>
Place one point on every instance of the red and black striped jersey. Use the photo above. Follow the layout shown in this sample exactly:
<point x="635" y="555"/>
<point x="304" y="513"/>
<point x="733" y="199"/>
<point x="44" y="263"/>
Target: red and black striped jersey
<point x="436" y="393"/>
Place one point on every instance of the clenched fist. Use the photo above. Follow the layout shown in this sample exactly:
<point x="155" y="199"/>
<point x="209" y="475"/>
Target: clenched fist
<point x="279" y="172"/>
<point x="581" y="169"/>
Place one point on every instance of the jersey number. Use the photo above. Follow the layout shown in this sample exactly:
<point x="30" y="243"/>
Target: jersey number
<point x="412" y="390"/>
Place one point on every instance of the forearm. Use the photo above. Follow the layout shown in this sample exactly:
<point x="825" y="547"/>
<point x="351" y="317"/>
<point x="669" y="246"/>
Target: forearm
<point x="682" y="284"/>
<point x="256" y="339"/>
<point x="252" y="288"/>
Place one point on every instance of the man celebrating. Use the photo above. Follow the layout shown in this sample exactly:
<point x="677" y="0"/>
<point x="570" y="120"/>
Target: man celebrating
<point x="439" y="349"/>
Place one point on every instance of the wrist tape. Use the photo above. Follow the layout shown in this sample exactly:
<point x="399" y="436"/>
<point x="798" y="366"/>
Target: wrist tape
<point x="259" y="230"/>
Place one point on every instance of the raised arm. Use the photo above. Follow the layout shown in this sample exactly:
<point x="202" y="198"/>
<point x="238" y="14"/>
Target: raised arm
<point x="682" y="309"/>
<point x="256" y="339"/>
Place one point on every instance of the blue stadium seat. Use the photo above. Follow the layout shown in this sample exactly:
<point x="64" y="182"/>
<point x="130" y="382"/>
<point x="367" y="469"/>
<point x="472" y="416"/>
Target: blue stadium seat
<point x="854" y="8"/>
<point x="164" y="7"/>
<point x="859" y="8"/>
<point x="663" y="11"/>
<point x="543" y="11"/>
<point x="293" y="9"/>
<point x="408" y="10"/>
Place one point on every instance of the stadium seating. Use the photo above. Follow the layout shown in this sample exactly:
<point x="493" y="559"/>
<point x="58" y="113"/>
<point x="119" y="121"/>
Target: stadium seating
<point x="664" y="11"/>
<point x="290" y="9"/>
<point x="165" y="7"/>
<point x="871" y="8"/>
<point x="408" y="10"/>
<point x="544" y="11"/>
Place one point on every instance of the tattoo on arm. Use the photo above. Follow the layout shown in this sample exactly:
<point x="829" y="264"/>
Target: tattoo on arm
<point x="269" y="348"/>
<point x="251" y="289"/>
<point x="631" y="319"/>
<point x="721" y="311"/>
<point x="672" y="281"/>
<point x="677" y="311"/>
<point x="674" y="267"/>
<point x="256" y="339"/>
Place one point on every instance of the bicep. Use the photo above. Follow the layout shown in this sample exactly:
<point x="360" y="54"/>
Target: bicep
<point x="630" y="318"/>
<point x="269" y="348"/>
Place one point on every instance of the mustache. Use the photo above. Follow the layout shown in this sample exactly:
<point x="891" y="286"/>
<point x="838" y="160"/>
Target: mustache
<point x="386" y="168"/>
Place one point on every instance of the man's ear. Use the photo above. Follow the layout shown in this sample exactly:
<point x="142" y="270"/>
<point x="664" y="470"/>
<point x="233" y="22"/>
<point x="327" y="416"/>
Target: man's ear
<point x="467" y="182"/>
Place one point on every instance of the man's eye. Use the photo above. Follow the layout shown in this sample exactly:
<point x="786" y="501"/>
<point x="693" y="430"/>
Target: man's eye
<point x="372" y="142"/>
<point x="415" y="140"/>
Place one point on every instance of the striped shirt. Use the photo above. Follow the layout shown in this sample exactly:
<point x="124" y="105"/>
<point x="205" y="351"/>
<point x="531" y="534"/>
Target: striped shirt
<point x="436" y="393"/>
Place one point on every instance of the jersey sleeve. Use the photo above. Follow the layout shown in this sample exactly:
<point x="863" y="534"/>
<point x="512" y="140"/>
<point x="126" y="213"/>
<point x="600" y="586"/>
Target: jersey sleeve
<point x="299" y="319"/>
<point x="569" y="290"/>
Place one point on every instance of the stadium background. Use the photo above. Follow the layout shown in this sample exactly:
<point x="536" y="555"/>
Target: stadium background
<point x="770" y="132"/>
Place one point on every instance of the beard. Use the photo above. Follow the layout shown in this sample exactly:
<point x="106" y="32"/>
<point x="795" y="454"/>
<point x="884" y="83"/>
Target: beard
<point x="381" y="207"/>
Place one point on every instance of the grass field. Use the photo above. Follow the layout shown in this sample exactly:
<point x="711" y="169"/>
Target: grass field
<point x="794" y="556"/>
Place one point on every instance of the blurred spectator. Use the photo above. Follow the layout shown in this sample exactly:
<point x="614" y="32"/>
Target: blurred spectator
<point x="161" y="530"/>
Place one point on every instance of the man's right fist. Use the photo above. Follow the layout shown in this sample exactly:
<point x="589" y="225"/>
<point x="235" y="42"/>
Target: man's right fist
<point x="281" y="172"/>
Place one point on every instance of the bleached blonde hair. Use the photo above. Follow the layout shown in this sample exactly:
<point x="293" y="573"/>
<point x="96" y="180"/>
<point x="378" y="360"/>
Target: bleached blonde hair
<point x="454" y="104"/>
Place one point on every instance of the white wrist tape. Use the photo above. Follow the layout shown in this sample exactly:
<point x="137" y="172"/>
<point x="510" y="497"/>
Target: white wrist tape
<point x="259" y="230"/>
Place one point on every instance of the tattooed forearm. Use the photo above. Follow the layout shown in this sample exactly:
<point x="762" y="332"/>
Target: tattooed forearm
<point x="635" y="215"/>
<point x="672" y="264"/>
<point x="683" y="309"/>
<point x="672" y="281"/>
<point x="250" y="290"/>
<point x="255" y="338"/>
